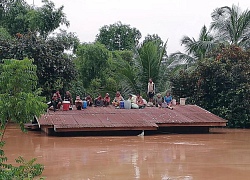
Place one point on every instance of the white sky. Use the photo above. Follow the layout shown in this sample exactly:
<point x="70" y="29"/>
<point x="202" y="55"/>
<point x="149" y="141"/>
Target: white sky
<point x="170" y="19"/>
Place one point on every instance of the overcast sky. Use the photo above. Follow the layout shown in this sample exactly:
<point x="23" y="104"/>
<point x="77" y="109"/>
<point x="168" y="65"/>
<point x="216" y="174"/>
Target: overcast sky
<point x="170" y="19"/>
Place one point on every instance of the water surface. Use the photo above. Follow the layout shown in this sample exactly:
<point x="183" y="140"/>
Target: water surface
<point x="221" y="155"/>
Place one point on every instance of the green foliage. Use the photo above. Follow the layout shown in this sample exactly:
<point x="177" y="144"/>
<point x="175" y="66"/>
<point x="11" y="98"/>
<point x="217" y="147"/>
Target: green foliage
<point x="13" y="16"/>
<point x="4" y="34"/>
<point x="20" y="18"/>
<point x="195" y="50"/>
<point x="220" y="86"/>
<point x="47" y="18"/>
<point x="231" y="25"/>
<point x="119" y="36"/>
<point x="150" y="56"/>
<point x="53" y="65"/>
<point x="91" y="61"/>
<point x="126" y="76"/>
<point x="133" y="76"/>
<point x="77" y="88"/>
<point x="153" y="38"/>
<point x="126" y="55"/>
<point x="27" y="170"/>
<point x="19" y="102"/>
<point x="19" y="98"/>
<point x="69" y="41"/>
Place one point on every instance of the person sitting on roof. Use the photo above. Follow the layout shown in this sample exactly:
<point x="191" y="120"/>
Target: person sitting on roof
<point x="106" y="100"/>
<point x="68" y="97"/>
<point x="168" y="101"/>
<point x="56" y="101"/>
<point x="78" y="103"/>
<point x="118" y="98"/>
<point x="132" y="98"/>
<point x="158" y="100"/>
<point x="99" y="101"/>
<point x="139" y="101"/>
<point x="89" y="100"/>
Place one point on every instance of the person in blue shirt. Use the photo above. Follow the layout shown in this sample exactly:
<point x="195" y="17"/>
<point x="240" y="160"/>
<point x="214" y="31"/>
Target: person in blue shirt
<point x="168" y="100"/>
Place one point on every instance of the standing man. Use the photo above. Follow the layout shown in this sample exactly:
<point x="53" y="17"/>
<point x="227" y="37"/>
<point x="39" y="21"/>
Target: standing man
<point x="151" y="90"/>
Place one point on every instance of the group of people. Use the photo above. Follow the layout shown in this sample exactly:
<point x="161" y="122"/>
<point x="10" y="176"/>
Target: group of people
<point x="56" y="100"/>
<point x="137" y="101"/>
<point x="158" y="101"/>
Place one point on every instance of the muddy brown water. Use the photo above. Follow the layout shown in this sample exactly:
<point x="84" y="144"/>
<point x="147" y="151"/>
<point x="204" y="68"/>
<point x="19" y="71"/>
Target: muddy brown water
<point x="221" y="155"/>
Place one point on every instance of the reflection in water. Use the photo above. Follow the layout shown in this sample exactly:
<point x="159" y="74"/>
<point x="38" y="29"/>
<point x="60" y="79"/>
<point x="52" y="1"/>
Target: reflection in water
<point x="136" y="167"/>
<point x="221" y="155"/>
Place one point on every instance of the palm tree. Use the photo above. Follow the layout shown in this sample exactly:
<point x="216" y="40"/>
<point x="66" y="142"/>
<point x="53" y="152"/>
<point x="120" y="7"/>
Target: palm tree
<point x="147" y="63"/>
<point x="150" y="57"/>
<point x="195" y="49"/>
<point x="232" y="26"/>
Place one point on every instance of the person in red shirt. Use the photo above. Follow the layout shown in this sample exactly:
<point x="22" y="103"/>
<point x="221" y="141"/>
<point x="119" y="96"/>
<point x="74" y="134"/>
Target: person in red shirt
<point x="106" y="100"/>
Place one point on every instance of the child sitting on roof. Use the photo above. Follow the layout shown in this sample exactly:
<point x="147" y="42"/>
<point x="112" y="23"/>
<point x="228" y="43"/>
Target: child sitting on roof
<point x="78" y="103"/>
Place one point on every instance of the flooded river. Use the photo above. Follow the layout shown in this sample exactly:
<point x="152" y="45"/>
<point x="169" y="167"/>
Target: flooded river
<point x="221" y="155"/>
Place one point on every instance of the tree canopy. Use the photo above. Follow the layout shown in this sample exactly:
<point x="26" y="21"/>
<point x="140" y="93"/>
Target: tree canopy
<point x="53" y="64"/>
<point x="18" y="17"/>
<point x="118" y="36"/>
<point x="232" y="26"/>
<point x="220" y="84"/>
<point x="92" y="61"/>
<point x="19" y="97"/>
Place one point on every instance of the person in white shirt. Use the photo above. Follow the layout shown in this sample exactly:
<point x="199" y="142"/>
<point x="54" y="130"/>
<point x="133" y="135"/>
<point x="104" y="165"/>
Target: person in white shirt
<point x="151" y="90"/>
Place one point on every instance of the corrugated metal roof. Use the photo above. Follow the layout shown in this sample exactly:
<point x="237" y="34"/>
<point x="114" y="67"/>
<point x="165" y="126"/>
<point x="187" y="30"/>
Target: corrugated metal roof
<point x="109" y="117"/>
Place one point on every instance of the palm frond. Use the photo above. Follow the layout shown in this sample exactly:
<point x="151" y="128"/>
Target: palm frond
<point x="231" y="25"/>
<point x="180" y="59"/>
<point x="126" y="75"/>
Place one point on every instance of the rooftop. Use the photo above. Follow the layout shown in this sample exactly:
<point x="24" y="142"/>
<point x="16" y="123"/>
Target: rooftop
<point x="110" y="119"/>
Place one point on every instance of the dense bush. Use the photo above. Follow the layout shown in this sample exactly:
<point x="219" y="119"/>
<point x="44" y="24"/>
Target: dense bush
<point x="220" y="84"/>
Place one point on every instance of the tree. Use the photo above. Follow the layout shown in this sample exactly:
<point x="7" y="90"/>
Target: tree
<point x="13" y="16"/>
<point x="220" y="84"/>
<point x="92" y="62"/>
<point x="231" y="26"/>
<point x="126" y="55"/>
<point x="146" y="64"/>
<point x="20" y="103"/>
<point x="195" y="50"/>
<point x="69" y="41"/>
<point x="150" y="56"/>
<point x="20" y="18"/>
<point x="155" y="38"/>
<point x="53" y="65"/>
<point x="47" y="18"/>
<point x="119" y="36"/>
<point x="4" y="34"/>
<point x="19" y="98"/>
